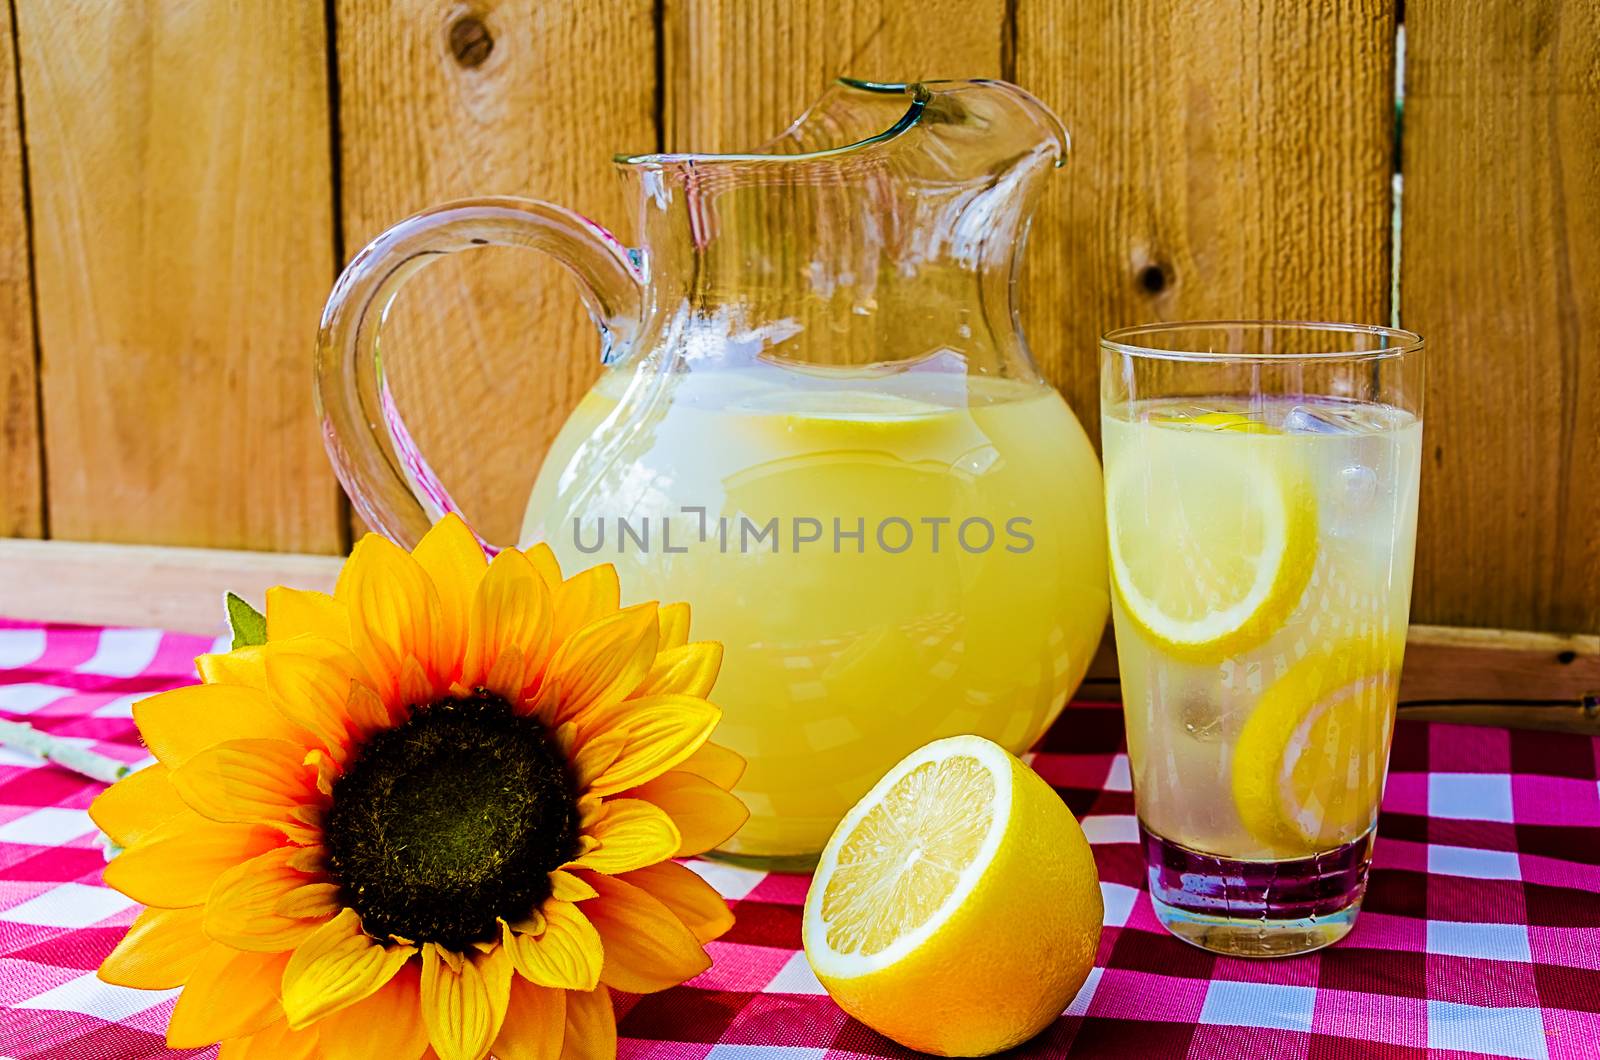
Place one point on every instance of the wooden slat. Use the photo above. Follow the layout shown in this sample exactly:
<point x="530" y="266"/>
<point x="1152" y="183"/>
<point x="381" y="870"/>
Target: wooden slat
<point x="21" y="497"/>
<point x="1501" y="256"/>
<point x="179" y="165"/>
<point x="1486" y="676"/>
<point x="1230" y="159"/>
<point x="180" y="589"/>
<point x="489" y="351"/>
<point x="739" y="72"/>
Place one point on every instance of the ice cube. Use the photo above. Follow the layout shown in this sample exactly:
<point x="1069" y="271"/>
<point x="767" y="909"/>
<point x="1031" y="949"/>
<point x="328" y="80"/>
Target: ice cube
<point x="1331" y="419"/>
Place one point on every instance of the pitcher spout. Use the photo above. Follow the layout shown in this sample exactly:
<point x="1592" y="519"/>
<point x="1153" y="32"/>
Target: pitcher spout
<point x="888" y="218"/>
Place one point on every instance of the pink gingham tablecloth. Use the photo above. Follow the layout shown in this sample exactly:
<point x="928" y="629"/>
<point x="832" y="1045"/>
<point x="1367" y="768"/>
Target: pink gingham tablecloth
<point x="1480" y="935"/>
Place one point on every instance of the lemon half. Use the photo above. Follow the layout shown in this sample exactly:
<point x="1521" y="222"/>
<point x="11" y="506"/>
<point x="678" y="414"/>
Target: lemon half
<point x="956" y="909"/>
<point x="1213" y="533"/>
<point x="1309" y="763"/>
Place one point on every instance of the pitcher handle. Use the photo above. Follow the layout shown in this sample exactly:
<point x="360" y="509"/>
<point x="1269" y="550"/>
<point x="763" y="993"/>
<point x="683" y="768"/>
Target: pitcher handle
<point x="387" y="478"/>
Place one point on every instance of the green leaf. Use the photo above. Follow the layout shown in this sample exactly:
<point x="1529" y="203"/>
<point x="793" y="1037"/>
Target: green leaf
<point x="249" y="625"/>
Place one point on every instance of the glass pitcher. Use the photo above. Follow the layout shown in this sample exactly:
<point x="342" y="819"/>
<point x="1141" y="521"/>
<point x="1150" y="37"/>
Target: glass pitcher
<point x="818" y="423"/>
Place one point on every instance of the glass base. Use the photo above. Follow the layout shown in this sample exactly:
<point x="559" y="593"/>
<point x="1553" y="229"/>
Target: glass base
<point x="1256" y="908"/>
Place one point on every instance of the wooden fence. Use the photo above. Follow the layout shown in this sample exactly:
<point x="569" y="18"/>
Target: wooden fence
<point x="180" y="179"/>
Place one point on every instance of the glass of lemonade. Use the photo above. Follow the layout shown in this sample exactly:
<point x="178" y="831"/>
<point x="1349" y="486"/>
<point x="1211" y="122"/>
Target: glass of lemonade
<point x="1261" y="506"/>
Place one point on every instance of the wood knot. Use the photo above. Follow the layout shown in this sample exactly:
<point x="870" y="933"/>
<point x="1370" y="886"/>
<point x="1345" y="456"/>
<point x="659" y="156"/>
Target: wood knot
<point x="1154" y="279"/>
<point x="470" y="41"/>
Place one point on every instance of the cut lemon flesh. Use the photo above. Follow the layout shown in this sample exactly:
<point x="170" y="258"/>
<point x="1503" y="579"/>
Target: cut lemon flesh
<point x="905" y="859"/>
<point x="956" y="909"/>
<point x="1213" y="533"/>
<point x="1308" y="765"/>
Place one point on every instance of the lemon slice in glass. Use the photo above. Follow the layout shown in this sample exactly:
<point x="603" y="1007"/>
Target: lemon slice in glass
<point x="956" y="908"/>
<point x="1213" y="533"/>
<point x="1309" y="762"/>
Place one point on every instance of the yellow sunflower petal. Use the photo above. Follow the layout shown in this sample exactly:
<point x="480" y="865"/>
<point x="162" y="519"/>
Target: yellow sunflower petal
<point x="294" y="612"/>
<point x="647" y="948"/>
<point x="175" y="866"/>
<point x="159" y="950"/>
<point x="464" y="1000"/>
<point x="591" y="1026"/>
<point x="394" y="614"/>
<point x="585" y="597"/>
<point x="690" y="670"/>
<point x="544" y="561"/>
<point x="367" y="713"/>
<point x="600" y="664"/>
<point x="674" y="621"/>
<point x="718" y="764"/>
<point x="567" y="955"/>
<point x="453" y="559"/>
<point x="692" y="900"/>
<point x="241" y="666"/>
<point x="314" y="693"/>
<point x="229" y="994"/>
<point x="633" y="833"/>
<point x="242" y="911"/>
<point x="278" y="1041"/>
<point x="309" y="859"/>
<point x="662" y="732"/>
<point x="565" y="887"/>
<point x="137" y="805"/>
<point x="596" y="755"/>
<point x="706" y="816"/>
<point x="511" y="610"/>
<point x="388" y="1025"/>
<point x="337" y="966"/>
<point x="535" y="1019"/>
<point x="308" y="901"/>
<point x="249" y="781"/>
<point x="179" y="724"/>
<point x="247" y="666"/>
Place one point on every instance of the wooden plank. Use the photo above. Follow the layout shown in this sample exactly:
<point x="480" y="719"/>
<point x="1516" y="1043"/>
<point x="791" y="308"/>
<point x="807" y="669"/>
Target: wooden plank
<point x="178" y="158"/>
<point x="1502" y="249"/>
<point x="179" y="589"/>
<point x="1230" y="160"/>
<point x="1483" y="676"/>
<point x="21" y="495"/>
<point x="738" y="73"/>
<point x="489" y="351"/>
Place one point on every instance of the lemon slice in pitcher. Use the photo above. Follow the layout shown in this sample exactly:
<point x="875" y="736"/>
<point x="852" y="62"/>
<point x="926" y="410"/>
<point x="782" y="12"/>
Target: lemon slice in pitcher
<point x="1213" y="533"/>
<point x="1308" y="764"/>
<point x="956" y="908"/>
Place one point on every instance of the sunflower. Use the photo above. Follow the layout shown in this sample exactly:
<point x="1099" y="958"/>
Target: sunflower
<point x="433" y="814"/>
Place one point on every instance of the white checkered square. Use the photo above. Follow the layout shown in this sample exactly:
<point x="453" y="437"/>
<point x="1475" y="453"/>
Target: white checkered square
<point x="1513" y="1032"/>
<point x="122" y="653"/>
<point x="49" y="827"/>
<point x="1470" y="796"/>
<point x="1494" y="942"/>
<point x="88" y="995"/>
<point x="72" y="905"/>
<point x="1474" y="863"/>
<point x="1286" y="1008"/>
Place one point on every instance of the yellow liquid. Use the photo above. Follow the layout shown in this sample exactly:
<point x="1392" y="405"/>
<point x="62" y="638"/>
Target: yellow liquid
<point x="845" y="653"/>
<point x="1320" y="684"/>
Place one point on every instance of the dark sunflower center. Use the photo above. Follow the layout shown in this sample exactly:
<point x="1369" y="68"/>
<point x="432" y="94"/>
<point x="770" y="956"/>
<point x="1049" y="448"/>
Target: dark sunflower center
<point x="451" y="820"/>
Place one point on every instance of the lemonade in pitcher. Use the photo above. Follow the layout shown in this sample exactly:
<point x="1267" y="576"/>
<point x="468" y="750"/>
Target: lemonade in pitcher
<point x="886" y="560"/>
<point x="1261" y="559"/>
<point x="818" y="424"/>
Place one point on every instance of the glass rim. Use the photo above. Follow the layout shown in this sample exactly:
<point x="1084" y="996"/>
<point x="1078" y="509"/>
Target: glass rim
<point x="1125" y="340"/>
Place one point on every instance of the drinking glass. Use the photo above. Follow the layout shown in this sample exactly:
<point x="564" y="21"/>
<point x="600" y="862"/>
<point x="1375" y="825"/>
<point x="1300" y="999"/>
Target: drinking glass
<point x="1261" y="505"/>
